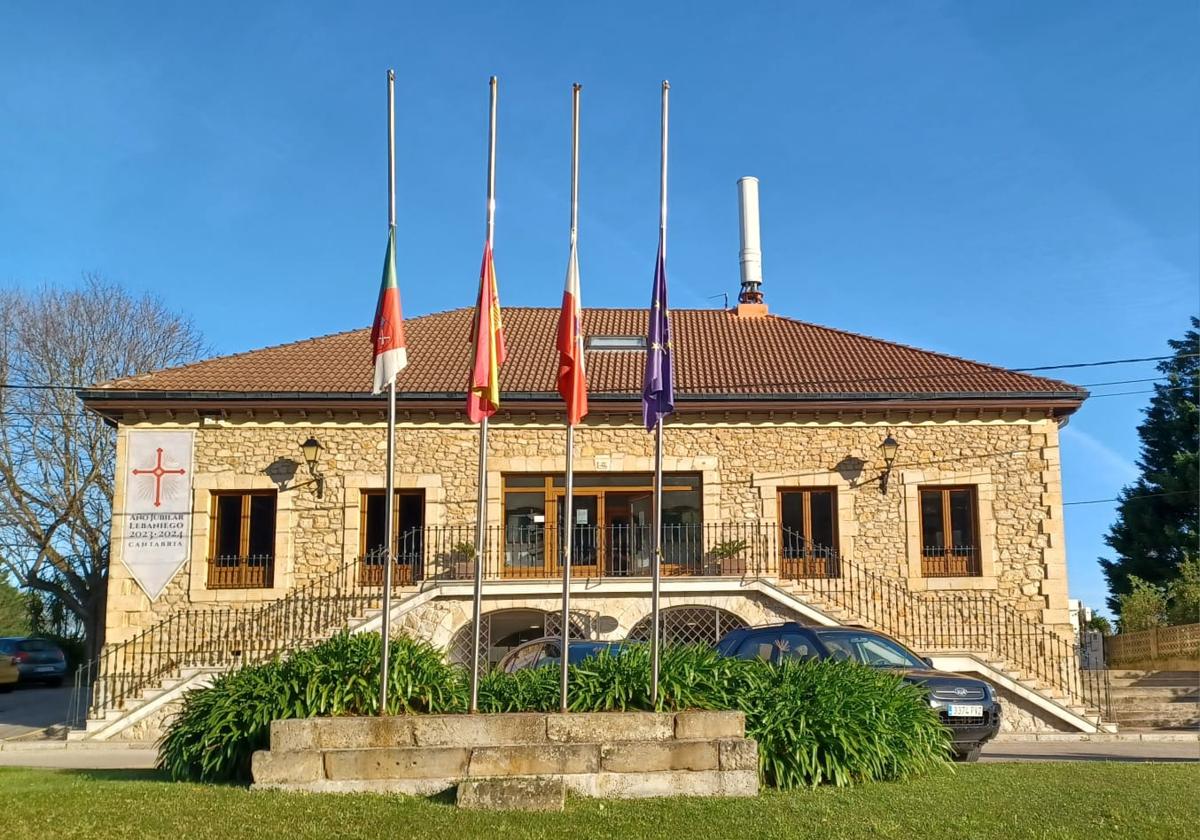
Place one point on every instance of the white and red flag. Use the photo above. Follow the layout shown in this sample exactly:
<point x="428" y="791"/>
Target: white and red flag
<point x="387" y="333"/>
<point x="572" y="379"/>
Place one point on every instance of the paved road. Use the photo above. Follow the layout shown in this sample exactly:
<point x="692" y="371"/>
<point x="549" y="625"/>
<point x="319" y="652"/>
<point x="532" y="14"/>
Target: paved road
<point x="29" y="708"/>
<point x="93" y="758"/>
<point x="1092" y="751"/>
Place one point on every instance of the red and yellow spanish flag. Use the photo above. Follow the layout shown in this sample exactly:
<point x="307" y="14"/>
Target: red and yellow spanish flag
<point x="572" y="381"/>
<point x="487" y="337"/>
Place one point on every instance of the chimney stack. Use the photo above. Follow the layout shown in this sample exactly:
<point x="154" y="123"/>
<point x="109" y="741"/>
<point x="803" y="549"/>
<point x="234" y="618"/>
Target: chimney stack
<point x="750" y="298"/>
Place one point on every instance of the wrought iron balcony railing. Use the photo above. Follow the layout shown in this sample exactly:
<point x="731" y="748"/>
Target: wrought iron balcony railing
<point x="232" y="572"/>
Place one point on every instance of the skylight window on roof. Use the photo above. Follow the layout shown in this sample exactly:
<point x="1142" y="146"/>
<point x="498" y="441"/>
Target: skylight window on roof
<point x="616" y="342"/>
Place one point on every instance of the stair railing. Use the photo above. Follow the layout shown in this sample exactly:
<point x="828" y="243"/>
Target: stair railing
<point x="222" y="636"/>
<point x="970" y="620"/>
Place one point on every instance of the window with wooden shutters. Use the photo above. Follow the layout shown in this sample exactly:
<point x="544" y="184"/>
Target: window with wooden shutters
<point x="949" y="532"/>
<point x="808" y="538"/>
<point x="242" y="547"/>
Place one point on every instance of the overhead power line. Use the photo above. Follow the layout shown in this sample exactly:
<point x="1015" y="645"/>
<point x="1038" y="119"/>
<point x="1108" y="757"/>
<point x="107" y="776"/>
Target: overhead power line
<point x="1130" y="497"/>
<point x="904" y="377"/>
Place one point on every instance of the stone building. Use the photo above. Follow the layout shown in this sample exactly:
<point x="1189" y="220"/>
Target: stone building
<point x="781" y="501"/>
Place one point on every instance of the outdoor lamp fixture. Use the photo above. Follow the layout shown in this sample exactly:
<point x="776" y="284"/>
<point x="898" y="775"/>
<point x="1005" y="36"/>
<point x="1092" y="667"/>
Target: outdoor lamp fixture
<point x="889" y="447"/>
<point x="312" y="451"/>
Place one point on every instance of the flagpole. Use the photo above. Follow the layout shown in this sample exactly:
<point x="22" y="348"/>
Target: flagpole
<point x="656" y="567"/>
<point x="569" y="500"/>
<point x="481" y="505"/>
<point x="389" y="524"/>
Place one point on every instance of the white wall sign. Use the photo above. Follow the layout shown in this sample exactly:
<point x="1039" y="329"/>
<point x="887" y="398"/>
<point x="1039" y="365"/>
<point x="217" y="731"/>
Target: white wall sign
<point x="158" y="507"/>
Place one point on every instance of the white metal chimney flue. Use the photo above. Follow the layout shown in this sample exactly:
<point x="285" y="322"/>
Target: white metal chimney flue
<point x="751" y="255"/>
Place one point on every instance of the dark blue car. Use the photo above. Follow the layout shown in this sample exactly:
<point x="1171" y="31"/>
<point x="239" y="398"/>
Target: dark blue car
<point x="966" y="705"/>
<point x="548" y="651"/>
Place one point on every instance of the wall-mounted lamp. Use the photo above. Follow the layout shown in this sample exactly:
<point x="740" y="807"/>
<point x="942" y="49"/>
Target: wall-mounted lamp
<point x="312" y="451"/>
<point x="888" y="448"/>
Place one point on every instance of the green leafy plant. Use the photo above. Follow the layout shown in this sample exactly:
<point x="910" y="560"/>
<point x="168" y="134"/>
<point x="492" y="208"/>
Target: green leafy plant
<point x="1144" y="607"/>
<point x="1184" y="594"/>
<point x="724" y="554"/>
<point x="220" y="727"/>
<point x="822" y="722"/>
<point x="815" y="722"/>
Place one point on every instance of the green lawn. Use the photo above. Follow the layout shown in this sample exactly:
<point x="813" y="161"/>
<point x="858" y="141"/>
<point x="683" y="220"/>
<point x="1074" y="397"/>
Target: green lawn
<point x="1085" y="799"/>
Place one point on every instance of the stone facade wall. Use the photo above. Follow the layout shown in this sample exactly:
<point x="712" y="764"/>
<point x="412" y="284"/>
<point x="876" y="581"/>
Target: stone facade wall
<point x="1014" y="463"/>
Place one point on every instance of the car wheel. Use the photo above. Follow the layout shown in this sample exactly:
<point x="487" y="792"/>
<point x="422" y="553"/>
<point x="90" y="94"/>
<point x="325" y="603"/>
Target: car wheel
<point x="968" y="754"/>
<point x="7" y="687"/>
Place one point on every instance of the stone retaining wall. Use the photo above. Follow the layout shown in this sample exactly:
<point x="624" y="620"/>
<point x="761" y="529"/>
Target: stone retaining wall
<point x="609" y="755"/>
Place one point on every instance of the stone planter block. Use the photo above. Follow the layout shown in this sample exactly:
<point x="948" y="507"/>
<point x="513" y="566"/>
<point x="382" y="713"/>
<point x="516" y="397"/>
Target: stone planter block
<point x="478" y="730"/>
<point x="698" y="724"/>
<point x="534" y="759"/>
<point x="600" y="727"/>
<point x="513" y="794"/>
<point x="648" y="756"/>
<point x="294" y="768"/>
<point x="397" y="763"/>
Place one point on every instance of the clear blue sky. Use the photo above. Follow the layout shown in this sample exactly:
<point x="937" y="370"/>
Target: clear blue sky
<point x="1017" y="183"/>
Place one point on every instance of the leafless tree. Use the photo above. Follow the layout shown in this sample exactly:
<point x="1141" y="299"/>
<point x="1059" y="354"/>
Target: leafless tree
<point x="56" y="460"/>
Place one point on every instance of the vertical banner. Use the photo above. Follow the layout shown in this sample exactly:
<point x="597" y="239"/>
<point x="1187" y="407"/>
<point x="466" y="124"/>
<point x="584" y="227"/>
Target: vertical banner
<point x="158" y="507"/>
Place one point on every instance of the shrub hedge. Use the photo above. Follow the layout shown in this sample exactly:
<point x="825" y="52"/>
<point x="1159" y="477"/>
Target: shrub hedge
<point x="815" y="722"/>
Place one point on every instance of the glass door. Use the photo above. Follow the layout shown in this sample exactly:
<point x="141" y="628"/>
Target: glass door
<point x="641" y="517"/>
<point x="587" y="510"/>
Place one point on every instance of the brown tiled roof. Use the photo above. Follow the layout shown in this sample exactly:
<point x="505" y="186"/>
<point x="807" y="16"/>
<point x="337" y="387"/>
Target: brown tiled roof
<point x="717" y="354"/>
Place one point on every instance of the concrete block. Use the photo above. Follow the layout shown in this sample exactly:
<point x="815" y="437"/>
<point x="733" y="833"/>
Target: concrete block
<point x="651" y="756"/>
<point x="340" y="733"/>
<point x="697" y="725"/>
<point x="478" y="730"/>
<point x="397" y="763"/>
<point x="270" y="768"/>
<point x="672" y="783"/>
<point x="738" y="754"/>
<point x="407" y="787"/>
<point x="534" y="759"/>
<point x="604" y="727"/>
<point x="512" y="794"/>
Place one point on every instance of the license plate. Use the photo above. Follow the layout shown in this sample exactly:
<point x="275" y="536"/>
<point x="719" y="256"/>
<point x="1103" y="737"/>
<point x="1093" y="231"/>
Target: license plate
<point x="964" y="711"/>
<point x="44" y="669"/>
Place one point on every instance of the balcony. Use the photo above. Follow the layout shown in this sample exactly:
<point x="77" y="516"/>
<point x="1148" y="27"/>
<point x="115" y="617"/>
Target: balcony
<point x="234" y="572"/>
<point x="953" y="561"/>
<point x="600" y="552"/>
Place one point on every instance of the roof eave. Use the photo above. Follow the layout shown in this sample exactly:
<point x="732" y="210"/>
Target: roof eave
<point x="1064" y="401"/>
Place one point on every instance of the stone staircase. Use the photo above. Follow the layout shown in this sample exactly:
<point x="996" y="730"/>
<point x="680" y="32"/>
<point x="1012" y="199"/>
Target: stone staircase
<point x="135" y="707"/>
<point x="1156" y="700"/>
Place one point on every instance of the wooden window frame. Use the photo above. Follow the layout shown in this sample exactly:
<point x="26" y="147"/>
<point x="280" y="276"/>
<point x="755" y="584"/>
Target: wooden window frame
<point x="243" y="575"/>
<point x="950" y="565"/>
<point x="809" y="565"/>
<point x="552" y="493"/>
<point x="371" y="574"/>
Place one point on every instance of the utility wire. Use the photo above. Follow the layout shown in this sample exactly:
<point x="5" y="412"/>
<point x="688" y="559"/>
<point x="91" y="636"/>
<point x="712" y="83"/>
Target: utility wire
<point x="1132" y="496"/>
<point x="832" y="381"/>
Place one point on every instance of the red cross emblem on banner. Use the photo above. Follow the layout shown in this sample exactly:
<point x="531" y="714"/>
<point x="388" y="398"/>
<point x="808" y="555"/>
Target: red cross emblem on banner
<point x="158" y="472"/>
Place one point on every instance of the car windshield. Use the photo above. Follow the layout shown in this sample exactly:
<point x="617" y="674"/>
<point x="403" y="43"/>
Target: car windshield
<point x="775" y="647"/>
<point x="579" y="651"/>
<point x="869" y="649"/>
<point x="36" y="645"/>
